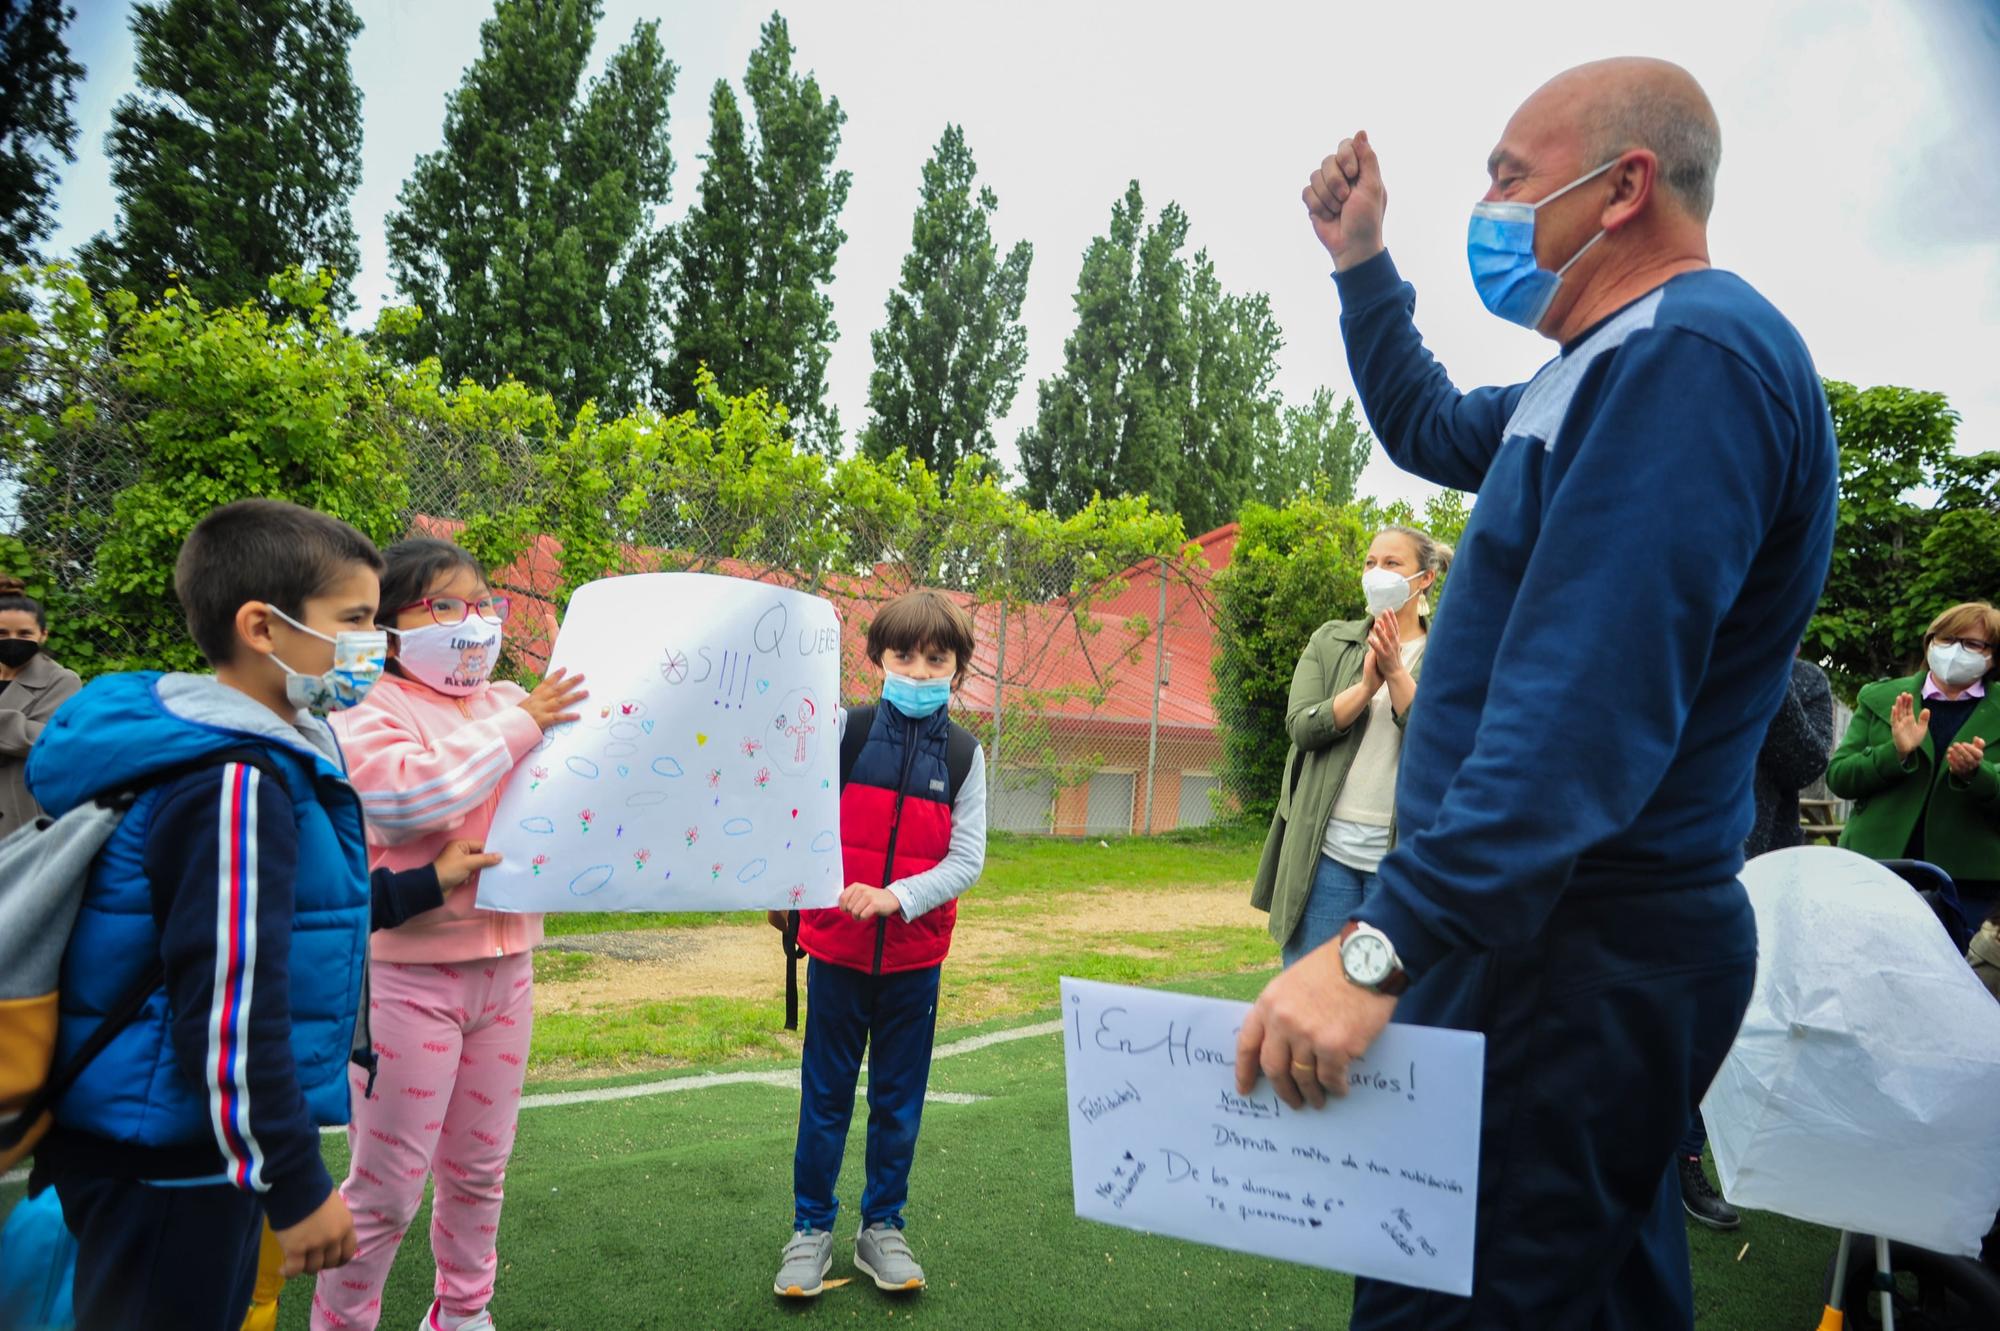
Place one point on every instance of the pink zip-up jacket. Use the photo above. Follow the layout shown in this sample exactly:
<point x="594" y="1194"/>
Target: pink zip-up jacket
<point x="429" y="769"/>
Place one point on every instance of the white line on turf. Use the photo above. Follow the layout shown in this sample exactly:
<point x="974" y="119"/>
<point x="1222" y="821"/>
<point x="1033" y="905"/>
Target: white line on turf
<point x="702" y="1081"/>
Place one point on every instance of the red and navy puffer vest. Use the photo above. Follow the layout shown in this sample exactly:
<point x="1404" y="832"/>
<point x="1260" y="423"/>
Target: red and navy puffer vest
<point x="895" y="820"/>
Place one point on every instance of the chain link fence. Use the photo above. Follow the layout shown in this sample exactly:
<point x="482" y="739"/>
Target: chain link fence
<point x="1092" y="687"/>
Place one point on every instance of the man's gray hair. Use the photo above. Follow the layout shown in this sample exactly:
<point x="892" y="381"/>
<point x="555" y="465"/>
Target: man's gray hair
<point x="1680" y="130"/>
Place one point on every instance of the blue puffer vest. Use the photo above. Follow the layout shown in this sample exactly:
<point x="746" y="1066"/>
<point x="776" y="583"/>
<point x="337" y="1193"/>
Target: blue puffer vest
<point x="111" y="736"/>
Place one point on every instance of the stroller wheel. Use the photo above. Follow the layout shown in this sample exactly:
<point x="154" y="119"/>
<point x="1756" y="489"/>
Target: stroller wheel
<point x="1934" y="1292"/>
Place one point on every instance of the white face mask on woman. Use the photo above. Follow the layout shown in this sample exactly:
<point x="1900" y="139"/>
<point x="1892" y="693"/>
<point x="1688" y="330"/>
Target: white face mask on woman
<point x="1957" y="665"/>
<point x="1386" y="590"/>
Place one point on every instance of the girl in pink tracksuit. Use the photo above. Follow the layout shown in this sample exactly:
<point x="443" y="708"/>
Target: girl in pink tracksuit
<point x="451" y="990"/>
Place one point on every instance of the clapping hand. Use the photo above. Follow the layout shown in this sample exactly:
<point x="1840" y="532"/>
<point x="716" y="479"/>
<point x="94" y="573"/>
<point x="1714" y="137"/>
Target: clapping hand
<point x="1908" y="726"/>
<point x="1385" y="644"/>
<point x="1964" y="759"/>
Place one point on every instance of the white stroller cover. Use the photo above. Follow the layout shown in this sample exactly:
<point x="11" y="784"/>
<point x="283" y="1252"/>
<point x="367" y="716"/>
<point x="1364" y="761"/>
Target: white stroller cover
<point x="1863" y="1090"/>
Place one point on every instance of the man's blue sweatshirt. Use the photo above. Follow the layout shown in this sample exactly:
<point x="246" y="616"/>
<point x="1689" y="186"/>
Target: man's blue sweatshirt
<point x="1654" y="521"/>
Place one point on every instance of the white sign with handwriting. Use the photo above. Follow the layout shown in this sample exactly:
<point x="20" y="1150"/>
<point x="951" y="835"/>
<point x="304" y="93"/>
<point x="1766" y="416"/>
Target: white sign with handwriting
<point x="1381" y="1183"/>
<point x="704" y="771"/>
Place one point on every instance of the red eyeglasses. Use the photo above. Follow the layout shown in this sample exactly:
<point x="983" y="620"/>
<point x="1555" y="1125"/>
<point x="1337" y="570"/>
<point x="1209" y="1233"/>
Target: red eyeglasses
<point x="450" y="611"/>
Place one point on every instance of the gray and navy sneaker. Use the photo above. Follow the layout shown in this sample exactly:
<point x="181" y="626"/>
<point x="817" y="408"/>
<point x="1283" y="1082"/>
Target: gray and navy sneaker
<point x="883" y="1255"/>
<point x="808" y="1257"/>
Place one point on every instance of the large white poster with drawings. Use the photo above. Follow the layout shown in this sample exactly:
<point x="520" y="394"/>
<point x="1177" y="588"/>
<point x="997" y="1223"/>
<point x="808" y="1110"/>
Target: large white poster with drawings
<point x="704" y="773"/>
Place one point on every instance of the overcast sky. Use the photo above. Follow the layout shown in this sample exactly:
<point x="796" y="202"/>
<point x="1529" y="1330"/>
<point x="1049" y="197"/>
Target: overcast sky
<point x="1860" y="185"/>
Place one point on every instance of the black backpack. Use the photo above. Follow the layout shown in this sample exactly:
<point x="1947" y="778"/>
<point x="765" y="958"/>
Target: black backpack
<point x="959" y="752"/>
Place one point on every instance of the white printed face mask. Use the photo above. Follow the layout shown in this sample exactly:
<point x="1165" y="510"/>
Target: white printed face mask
<point x="357" y="663"/>
<point x="1957" y="665"/>
<point x="454" y="659"/>
<point x="1385" y="590"/>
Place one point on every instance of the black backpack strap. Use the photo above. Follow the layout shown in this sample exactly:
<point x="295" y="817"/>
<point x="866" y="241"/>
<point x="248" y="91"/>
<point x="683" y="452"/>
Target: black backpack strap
<point x="133" y="1001"/>
<point x="122" y="1014"/>
<point x="959" y="751"/>
<point x="793" y="955"/>
<point x="854" y="734"/>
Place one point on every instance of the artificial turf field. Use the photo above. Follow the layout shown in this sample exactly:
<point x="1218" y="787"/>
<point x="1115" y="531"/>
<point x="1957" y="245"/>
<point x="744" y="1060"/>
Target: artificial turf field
<point x="668" y="1211"/>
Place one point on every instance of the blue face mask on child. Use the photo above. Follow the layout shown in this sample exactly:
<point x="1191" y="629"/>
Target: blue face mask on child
<point x="915" y="698"/>
<point x="1500" y="244"/>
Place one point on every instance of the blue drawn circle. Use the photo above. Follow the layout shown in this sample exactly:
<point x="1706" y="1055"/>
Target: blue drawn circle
<point x="583" y="767"/>
<point x="752" y="871"/>
<point x="667" y="767"/>
<point x="737" y="827"/>
<point x="538" y="826"/>
<point x="594" y="879"/>
<point x="620" y="750"/>
<point x="645" y="799"/>
<point x="825" y="842"/>
<point x="625" y="730"/>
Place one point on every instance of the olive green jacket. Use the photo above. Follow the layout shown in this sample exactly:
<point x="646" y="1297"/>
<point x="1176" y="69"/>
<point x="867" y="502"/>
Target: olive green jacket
<point x="1961" y="818"/>
<point x="1315" y="769"/>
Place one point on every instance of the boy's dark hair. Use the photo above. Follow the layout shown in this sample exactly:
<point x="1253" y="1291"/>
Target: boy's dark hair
<point x="14" y="596"/>
<point x="411" y="568"/>
<point x="260" y="550"/>
<point x="920" y="619"/>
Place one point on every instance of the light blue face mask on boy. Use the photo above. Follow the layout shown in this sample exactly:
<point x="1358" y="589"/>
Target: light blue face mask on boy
<point x="915" y="698"/>
<point x="1500" y="242"/>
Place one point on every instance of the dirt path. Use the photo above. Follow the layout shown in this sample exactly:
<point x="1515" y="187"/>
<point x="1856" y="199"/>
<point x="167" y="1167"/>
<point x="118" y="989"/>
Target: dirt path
<point x="743" y="961"/>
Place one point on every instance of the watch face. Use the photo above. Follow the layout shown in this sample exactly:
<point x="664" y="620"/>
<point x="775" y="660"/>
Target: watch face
<point x="1367" y="959"/>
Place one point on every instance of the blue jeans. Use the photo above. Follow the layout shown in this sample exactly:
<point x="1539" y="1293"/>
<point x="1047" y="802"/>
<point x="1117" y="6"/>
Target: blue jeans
<point x="1695" y="1140"/>
<point x="1336" y="894"/>
<point x="894" y="1017"/>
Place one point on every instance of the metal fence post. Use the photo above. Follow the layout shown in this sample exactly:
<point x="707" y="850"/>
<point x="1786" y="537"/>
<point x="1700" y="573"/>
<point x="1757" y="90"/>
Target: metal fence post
<point x="995" y="772"/>
<point x="1159" y="682"/>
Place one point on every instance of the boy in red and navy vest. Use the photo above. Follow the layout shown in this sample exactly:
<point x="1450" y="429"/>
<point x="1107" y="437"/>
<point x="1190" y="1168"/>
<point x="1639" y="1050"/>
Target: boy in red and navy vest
<point x="913" y="838"/>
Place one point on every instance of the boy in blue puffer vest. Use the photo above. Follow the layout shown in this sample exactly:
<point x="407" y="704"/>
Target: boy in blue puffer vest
<point x="235" y="895"/>
<point x="913" y="839"/>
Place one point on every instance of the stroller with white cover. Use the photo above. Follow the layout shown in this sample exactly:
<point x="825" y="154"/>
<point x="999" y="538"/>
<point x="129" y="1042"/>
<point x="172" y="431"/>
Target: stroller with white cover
<point x="1862" y="1088"/>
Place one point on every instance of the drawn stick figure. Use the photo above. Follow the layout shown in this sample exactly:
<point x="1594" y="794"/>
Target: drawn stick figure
<point x="802" y="729"/>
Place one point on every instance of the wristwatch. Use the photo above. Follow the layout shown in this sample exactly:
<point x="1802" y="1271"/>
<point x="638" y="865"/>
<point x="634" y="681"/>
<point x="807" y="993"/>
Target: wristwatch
<point x="1370" y="960"/>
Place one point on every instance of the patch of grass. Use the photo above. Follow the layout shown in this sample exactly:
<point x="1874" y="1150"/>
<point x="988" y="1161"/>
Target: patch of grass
<point x="1028" y="981"/>
<point x="672" y="1033"/>
<point x="624" y="921"/>
<point x="553" y="966"/>
<point x="1025" y="866"/>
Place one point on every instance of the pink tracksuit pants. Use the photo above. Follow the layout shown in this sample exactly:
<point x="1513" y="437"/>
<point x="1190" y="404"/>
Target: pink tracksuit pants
<point x="453" y="1048"/>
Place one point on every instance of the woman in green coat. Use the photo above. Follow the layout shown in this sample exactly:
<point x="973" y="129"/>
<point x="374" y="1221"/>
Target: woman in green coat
<point x="1914" y="761"/>
<point x="1351" y="695"/>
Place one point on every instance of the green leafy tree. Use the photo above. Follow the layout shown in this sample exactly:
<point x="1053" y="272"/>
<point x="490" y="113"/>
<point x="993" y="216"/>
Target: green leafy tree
<point x="1294" y="569"/>
<point x="1165" y="388"/>
<point x="757" y="251"/>
<point x="196" y="407"/>
<point x="530" y="240"/>
<point x="1918" y="531"/>
<point x="1320" y="451"/>
<point x="949" y="358"/>
<point x="37" y="84"/>
<point x="235" y="159"/>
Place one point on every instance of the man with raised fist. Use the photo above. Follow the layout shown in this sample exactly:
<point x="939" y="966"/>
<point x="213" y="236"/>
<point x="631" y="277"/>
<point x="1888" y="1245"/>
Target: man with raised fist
<point x="1654" y="520"/>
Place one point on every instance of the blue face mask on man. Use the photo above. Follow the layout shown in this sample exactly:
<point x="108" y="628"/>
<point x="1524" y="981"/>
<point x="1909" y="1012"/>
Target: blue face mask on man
<point x="915" y="698"/>
<point x="1500" y="242"/>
